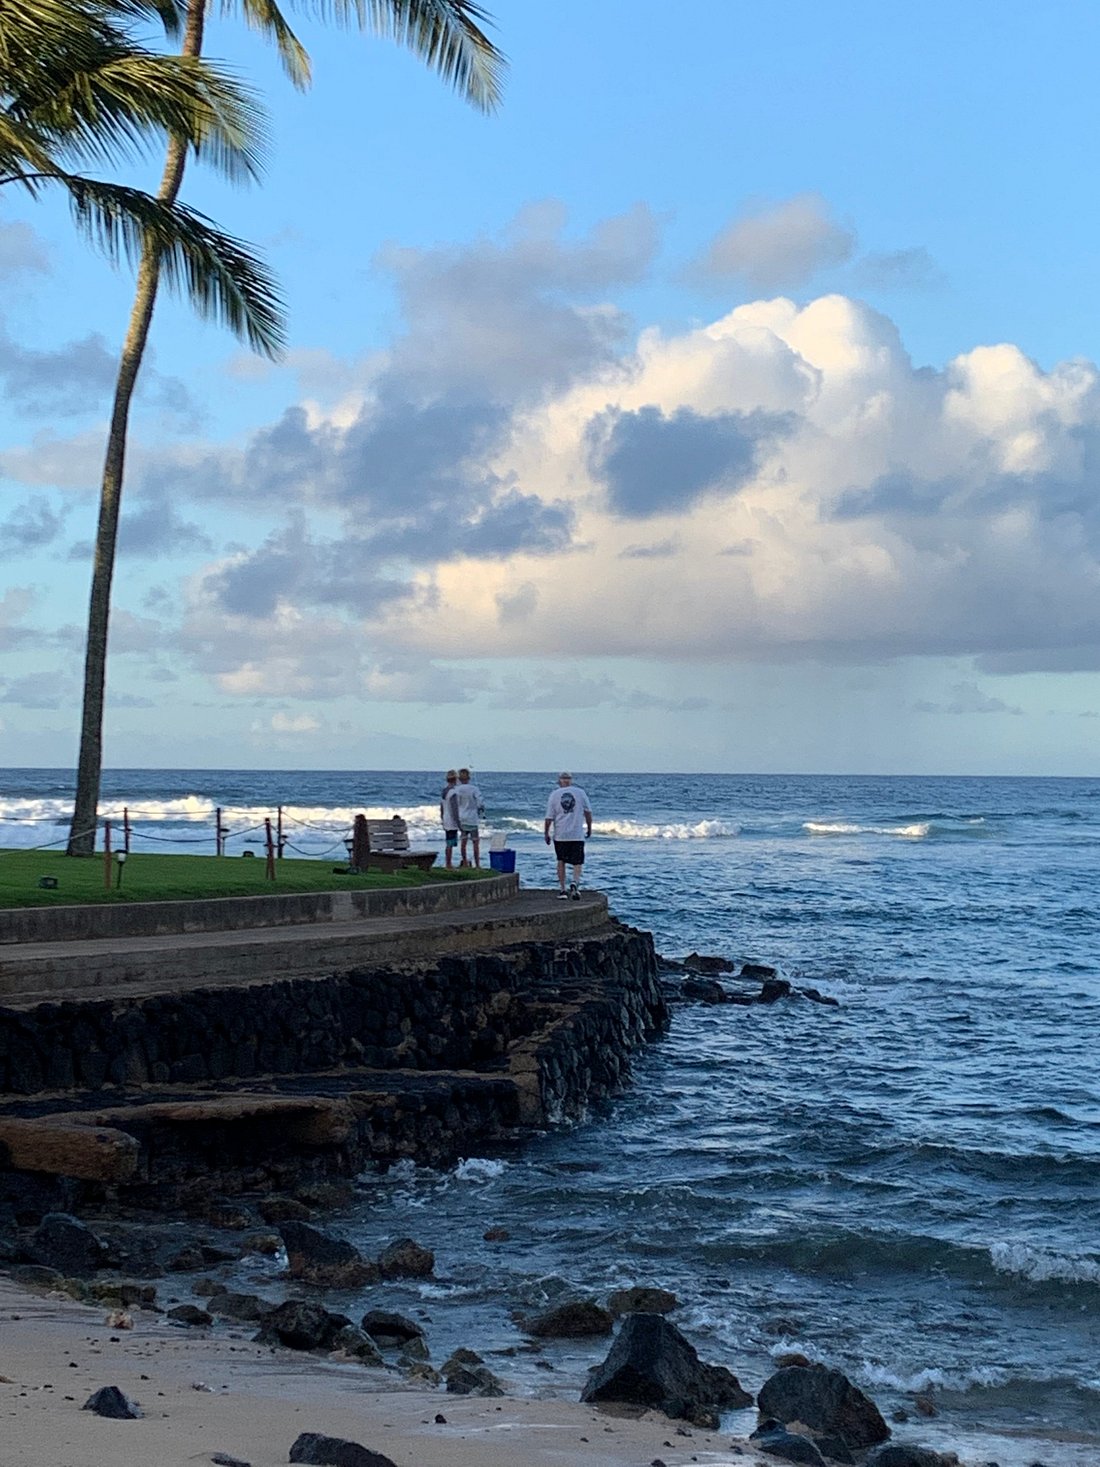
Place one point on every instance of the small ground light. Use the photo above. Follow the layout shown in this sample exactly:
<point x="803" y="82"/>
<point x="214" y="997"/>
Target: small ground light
<point x="120" y="857"/>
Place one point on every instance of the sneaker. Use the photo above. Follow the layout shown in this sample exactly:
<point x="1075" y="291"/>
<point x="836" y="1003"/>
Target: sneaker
<point x="574" y="891"/>
<point x="563" y="896"/>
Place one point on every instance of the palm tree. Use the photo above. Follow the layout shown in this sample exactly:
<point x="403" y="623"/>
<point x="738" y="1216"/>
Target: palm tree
<point x="447" y="35"/>
<point x="75" y="87"/>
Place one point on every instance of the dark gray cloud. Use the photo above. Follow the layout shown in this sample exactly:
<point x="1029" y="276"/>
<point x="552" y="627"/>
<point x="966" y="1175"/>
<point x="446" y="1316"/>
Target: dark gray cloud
<point x="981" y="487"/>
<point x="512" y="319"/>
<point x="72" y="379"/>
<point x="659" y="550"/>
<point x="31" y="526"/>
<point x="38" y="690"/>
<point x="410" y="481"/>
<point x="151" y="532"/>
<point x="1079" y="657"/>
<point x="655" y="464"/>
<point x="291" y="567"/>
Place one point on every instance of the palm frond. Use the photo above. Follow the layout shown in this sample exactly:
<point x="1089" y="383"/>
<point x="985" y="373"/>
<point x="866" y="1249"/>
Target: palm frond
<point x="221" y="277"/>
<point x="23" y="154"/>
<point x="129" y="99"/>
<point x="265" y="17"/>
<point x="447" y="36"/>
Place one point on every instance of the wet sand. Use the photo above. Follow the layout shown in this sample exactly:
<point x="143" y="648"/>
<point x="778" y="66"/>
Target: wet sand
<point x="204" y="1393"/>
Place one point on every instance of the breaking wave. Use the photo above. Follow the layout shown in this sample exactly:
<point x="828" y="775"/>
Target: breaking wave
<point x="918" y="830"/>
<point x="1039" y="1266"/>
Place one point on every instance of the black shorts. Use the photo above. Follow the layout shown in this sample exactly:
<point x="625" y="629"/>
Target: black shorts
<point x="570" y="851"/>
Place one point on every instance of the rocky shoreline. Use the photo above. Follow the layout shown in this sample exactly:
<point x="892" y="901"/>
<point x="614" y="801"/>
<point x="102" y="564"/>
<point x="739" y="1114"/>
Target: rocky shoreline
<point x="198" y="1181"/>
<point x="136" y="1272"/>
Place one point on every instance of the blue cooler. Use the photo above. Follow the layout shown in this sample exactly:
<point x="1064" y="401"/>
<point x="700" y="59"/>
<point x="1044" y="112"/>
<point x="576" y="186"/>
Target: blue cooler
<point x="504" y="861"/>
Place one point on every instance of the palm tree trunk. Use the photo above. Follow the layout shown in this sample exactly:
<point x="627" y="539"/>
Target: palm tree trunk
<point x="90" y="761"/>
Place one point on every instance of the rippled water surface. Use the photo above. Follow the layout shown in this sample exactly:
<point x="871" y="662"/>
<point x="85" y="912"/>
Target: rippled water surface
<point x="907" y="1186"/>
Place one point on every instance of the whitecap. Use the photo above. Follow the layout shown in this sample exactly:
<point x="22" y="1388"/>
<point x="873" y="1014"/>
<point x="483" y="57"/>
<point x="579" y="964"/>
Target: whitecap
<point x="917" y="830"/>
<point x="933" y="1378"/>
<point x="1040" y="1266"/>
<point x="480" y="1169"/>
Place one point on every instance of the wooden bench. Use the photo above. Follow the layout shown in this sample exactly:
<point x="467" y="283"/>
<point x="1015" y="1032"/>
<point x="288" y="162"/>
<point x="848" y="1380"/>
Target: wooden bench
<point x="383" y="845"/>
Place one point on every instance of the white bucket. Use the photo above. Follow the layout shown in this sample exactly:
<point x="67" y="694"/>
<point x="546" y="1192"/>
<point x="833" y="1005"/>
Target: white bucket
<point x="498" y="842"/>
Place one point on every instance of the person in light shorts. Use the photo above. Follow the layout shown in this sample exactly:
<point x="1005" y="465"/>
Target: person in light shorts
<point x="569" y="816"/>
<point x="469" y="807"/>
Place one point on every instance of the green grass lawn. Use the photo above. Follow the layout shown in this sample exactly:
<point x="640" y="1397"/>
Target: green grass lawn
<point x="156" y="878"/>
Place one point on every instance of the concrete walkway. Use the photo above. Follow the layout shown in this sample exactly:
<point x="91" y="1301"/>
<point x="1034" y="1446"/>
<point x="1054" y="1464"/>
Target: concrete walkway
<point x="115" y="967"/>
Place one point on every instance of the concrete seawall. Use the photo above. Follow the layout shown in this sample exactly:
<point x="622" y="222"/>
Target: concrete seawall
<point x="230" y="914"/>
<point x="164" y="1070"/>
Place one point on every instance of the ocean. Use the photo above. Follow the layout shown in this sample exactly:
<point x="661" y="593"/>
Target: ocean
<point x="906" y="1186"/>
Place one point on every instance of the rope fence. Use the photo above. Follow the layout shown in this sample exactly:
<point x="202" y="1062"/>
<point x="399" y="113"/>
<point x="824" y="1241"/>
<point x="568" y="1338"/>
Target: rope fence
<point x="273" y="837"/>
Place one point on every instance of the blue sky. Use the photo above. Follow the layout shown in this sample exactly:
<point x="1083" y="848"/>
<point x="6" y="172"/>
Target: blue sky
<point x="727" y="401"/>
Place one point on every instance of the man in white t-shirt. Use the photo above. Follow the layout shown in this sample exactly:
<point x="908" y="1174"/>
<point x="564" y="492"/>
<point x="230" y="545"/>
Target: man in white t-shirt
<point x="468" y="806"/>
<point x="569" y="815"/>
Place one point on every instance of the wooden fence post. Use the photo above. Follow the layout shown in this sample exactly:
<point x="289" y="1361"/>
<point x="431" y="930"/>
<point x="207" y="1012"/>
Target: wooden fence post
<point x="360" y="844"/>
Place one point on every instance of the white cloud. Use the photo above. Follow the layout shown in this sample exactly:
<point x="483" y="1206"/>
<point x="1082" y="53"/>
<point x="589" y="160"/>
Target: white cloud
<point x="780" y="483"/>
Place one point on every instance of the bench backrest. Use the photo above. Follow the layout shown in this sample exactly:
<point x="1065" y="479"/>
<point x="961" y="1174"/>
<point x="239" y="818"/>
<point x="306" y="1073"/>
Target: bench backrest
<point x="388" y="835"/>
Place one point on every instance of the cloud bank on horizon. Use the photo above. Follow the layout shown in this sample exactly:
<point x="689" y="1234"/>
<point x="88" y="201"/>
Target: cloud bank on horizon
<point x="525" y="473"/>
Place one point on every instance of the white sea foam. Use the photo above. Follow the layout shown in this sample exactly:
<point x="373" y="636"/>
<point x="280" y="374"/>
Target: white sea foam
<point x="480" y="1169"/>
<point x="932" y="1378"/>
<point x="1040" y="1266"/>
<point x="918" y="830"/>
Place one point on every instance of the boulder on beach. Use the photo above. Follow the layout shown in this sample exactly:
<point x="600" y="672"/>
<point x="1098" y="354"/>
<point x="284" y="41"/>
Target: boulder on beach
<point x="320" y="1258"/>
<point x="109" y="1401"/>
<point x="788" y="1446"/>
<point x="824" y="1400"/>
<point x="63" y="1242"/>
<point x="334" y="1451"/>
<point x="466" y="1374"/>
<point x="574" y="1320"/>
<point x="300" y="1325"/>
<point x="388" y="1330"/>
<point x="190" y="1316"/>
<point x="903" y="1454"/>
<point x="247" y="1307"/>
<point x="355" y="1342"/>
<point x="652" y="1364"/>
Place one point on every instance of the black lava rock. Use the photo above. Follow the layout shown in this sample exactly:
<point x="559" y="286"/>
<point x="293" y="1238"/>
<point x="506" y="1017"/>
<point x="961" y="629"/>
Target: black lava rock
<point x="652" y="1364"/>
<point x="109" y="1401"/>
<point x="335" y="1451"/>
<point x="65" y="1243"/>
<point x="826" y="1401"/>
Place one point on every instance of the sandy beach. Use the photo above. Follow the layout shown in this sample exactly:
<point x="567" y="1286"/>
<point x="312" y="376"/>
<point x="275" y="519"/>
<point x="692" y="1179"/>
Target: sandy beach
<point x="204" y="1394"/>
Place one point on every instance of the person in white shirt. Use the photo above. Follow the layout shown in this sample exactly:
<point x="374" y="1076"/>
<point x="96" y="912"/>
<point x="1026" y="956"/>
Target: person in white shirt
<point x="447" y="817"/>
<point x="569" y="815"/>
<point x="468" y="806"/>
